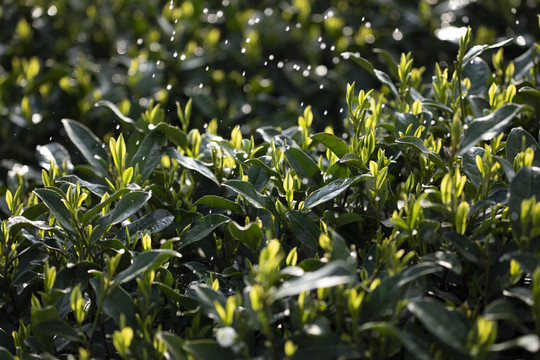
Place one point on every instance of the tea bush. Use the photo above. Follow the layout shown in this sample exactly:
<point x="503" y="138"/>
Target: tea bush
<point x="412" y="234"/>
<point x="410" y="230"/>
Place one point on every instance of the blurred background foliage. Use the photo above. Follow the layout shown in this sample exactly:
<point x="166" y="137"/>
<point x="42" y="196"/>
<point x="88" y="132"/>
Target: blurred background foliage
<point x="247" y="63"/>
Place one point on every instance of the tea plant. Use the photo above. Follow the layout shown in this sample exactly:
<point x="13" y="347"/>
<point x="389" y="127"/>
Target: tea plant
<point x="414" y="233"/>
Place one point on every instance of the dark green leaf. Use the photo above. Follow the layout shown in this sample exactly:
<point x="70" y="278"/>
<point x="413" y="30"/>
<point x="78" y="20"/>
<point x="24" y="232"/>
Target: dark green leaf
<point x="336" y="273"/>
<point x="478" y="72"/>
<point x="16" y="223"/>
<point x="117" y="112"/>
<point x="304" y="166"/>
<point x="418" y="144"/>
<point x="150" y="223"/>
<point x="88" y="144"/>
<point x="147" y="260"/>
<point x="518" y="140"/>
<point x="479" y="49"/>
<point x="97" y="189"/>
<point x="249" y="235"/>
<point x="466" y="247"/>
<point x="174" y="344"/>
<point x="258" y="176"/>
<point x="206" y="296"/>
<point x="127" y="206"/>
<point x="5" y="354"/>
<point x="446" y="259"/>
<point x="53" y="200"/>
<point x="449" y="326"/>
<point x="248" y="192"/>
<point x="173" y="133"/>
<point x="202" y="228"/>
<point x="417" y="271"/>
<point x="469" y="165"/>
<point x="406" y="339"/>
<point x="96" y="209"/>
<point x="192" y="164"/>
<point x="332" y="142"/>
<point x="528" y="262"/>
<point x="529" y="90"/>
<point x="56" y="152"/>
<point x="118" y="302"/>
<point x="149" y="153"/>
<point x="525" y="184"/>
<point x="331" y="191"/>
<point x="305" y="230"/>
<point x="207" y="350"/>
<point x="218" y="202"/>
<point x="487" y="127"/>
<point x="58" y="328"/>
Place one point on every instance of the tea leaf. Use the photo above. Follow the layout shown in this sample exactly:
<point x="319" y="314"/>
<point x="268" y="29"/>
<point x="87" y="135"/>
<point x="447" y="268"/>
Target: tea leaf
<point x="147" y="260"/>
<point x="192" y="164"/>
<point x="333" y="274"/>
<point x="149" y="153"/>
<point x="448" y="326"/>
<point x="88" y="144"/>
<point x="53" y="200"/>
<point x="332" y="142"/>
<point x="304" y="166"/>
<point x="487" y="127"/>
<point x="173" y="343"/>
<point x="418" y="144"/>
<point x="202" y="228"/>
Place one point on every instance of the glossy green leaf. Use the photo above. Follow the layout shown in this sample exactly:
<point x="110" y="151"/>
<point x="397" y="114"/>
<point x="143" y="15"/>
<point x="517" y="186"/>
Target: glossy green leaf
<point x="53" y="200"/>
<point x="258" y="176"/>
<point x="116" y="111"/>
<point x="332" y="142"/>
<point x="248" y="192"/>
<point x="207" y="297"/>
<point x="202" y="228"/>
<point x="418" y="144"/>
<point x="16" y="223"/>
<point x="218" y="202"/>
<point x="408" y="340"/>
<point x="150" y="223"/>
<point x="530" y="342"/>
<point x="88" y="144"/>
<point x="304" y="166"/>
<point x="480" y="49"/>
<point x="448" y="326"/>
<point x="5" y="354"/>
<point x="518" y="140"/>
<point x="207" y="350"/>
<point x="127" y="206"/>
<point x="249" y="235"/>
<point x="305" y="230"/>
<point x="192" y="164"/>
<point x="97" y="208"/>
<point x="95" y="188"/>
<point x="57" y="328"/>
<point x="446" y="259"/>
<point x="147" y="260"/>
<point x="487" y="127"/>
<point x="336" y="273"/>
<point x="149" y="153"/>
<point x="117" y="303"/>
<point x="469" y="165"/>
<point x="173" y="133"/>
<point x="525" y="184"/>
<point x="417" y="271"/>
<point x="173" y="343"/>
<point x="55" y="152"/>
<point x="331" y="191"/>
<point x="466" y="247"/>
<point x="528" y="262"/>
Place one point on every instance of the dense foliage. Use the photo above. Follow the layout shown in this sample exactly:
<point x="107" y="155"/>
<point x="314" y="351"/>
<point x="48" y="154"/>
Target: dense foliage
<point x="410" y="230"/>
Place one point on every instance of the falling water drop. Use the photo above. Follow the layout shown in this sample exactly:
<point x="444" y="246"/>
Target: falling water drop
<point x="169" y="87"/>
<point x="175" y="54"/>
<point x="287" y="28"/>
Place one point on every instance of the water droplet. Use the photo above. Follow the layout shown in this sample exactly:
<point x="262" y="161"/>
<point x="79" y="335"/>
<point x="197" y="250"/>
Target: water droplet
<point x="321" y="86"/>
<point x="172" y="38"/>
<point x="117" y="126"/>
<point x="287" y="28"/>
<point x="340" y="110"/>
<point x="153" y="75"/>
<point x="200" y="85"/>
<point x="226" y="41"/>
<point x="243" y="51"/>
<point x="169" y="87"/>
<point x="265" y="63"/>
<point x="248" y="40"/>
<point x="175" y="54"/>
<point x="183" y="57"/>
<point x="332" y="48"/>
<point x="280" y="64"/>
<point x="305" y="73"/>
<point x="323" y="46"/>
<point x="271" y="57"/>
<point x="325" y="112"/>
<point x="139" y="41"/>
<point x="137" y="142"/>
<point x="397" y="35"/>
<point x="207" y="68"/>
